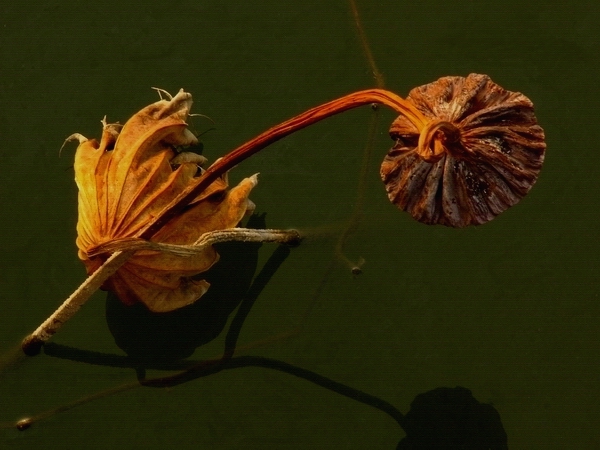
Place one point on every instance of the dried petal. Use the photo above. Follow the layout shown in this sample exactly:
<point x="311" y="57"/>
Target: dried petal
<point x="481" y="152"/>
<point x="127" y="179"/>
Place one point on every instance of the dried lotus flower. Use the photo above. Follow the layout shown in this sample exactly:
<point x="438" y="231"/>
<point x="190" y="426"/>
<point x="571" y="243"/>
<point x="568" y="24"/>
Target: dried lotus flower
<point x="126" y="179"/>
<point x="149" y="215"/>
<point x="479" y="153"/>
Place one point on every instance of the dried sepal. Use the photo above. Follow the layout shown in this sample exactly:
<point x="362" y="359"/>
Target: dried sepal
<point x="479" y="154"/>
<point x="127" y="179"/>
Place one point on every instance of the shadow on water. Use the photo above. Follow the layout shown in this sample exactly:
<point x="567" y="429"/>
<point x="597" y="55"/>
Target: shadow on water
<point x="175" y="335"/>
<point x="443" y="418"/>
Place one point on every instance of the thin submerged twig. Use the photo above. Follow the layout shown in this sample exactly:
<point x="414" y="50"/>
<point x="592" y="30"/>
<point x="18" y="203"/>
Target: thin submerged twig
<point x="355" y="218"/>
<point x="365" y="45"/>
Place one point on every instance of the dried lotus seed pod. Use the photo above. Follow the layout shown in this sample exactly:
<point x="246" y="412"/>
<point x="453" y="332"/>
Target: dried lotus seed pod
<point x="479" y="154"/>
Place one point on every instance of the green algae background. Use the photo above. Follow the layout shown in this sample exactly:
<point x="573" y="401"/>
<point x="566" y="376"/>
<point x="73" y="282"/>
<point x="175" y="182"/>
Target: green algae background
<point x="508" y="310"/>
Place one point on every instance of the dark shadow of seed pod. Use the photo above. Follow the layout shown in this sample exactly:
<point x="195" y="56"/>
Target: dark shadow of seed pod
<point x="447" y="418"/>
<point x="479" y="154"/>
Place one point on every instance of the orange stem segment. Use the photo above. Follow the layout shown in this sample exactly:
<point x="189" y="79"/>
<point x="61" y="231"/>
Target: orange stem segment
<point x="221" y="166"/>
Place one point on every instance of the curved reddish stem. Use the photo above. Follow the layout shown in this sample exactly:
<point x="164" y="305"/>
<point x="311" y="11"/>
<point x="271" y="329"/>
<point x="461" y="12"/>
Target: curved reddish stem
<point x="430" y="148"/>
<point x="221" y="166"/>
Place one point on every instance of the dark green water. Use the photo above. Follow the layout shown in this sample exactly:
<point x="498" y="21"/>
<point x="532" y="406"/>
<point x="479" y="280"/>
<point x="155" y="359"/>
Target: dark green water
<point x="508" y="310"/>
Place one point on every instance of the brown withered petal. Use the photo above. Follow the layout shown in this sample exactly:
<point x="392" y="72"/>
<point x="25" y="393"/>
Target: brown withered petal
<point x="480" y="153"/>
<point x="130" y="176"/>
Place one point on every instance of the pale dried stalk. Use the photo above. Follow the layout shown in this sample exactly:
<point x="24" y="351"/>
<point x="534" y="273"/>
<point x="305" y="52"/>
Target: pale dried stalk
<point x="290" y="237"/>
<point x="122" y="250"/>
<point x="31" y="344"/>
